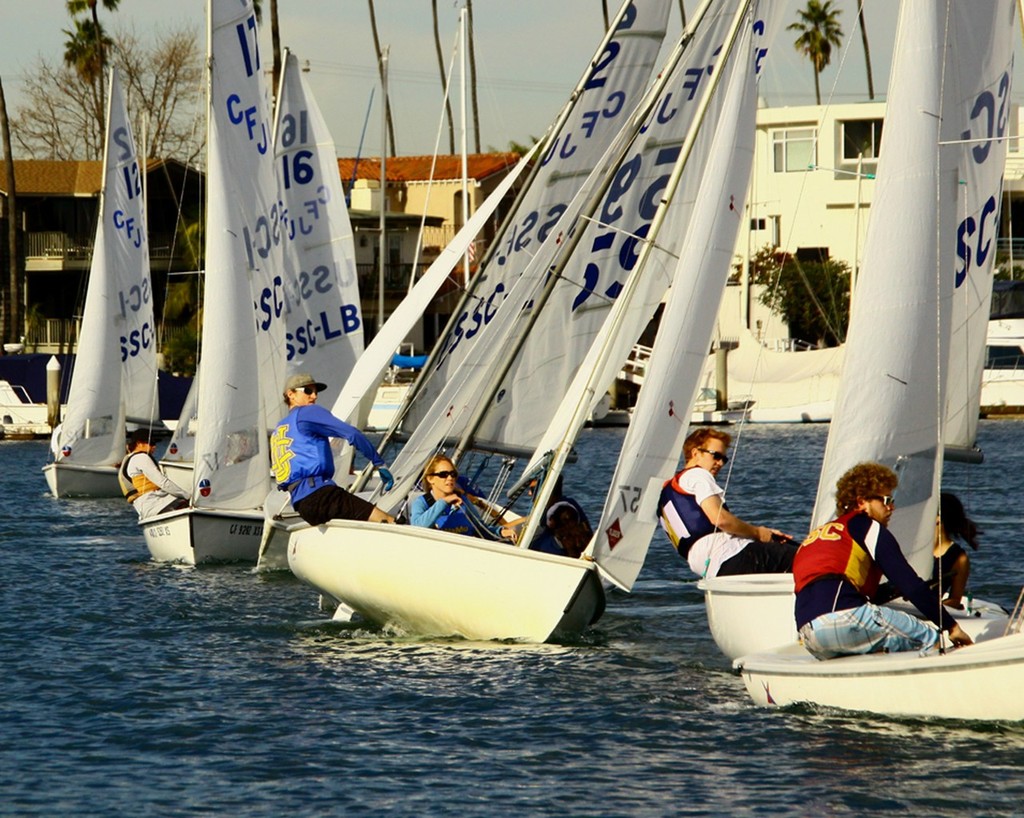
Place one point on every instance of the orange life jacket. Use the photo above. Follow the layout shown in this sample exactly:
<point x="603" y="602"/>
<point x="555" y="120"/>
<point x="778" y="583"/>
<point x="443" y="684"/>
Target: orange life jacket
<point x="134" y="487"/>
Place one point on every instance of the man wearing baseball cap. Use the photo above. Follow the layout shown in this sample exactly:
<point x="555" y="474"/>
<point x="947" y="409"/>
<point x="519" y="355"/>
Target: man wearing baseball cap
<point x="304" y="464"/>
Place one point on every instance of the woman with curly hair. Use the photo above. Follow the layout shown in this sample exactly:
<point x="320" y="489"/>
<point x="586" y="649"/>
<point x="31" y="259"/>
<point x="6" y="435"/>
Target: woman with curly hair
<point x="837" y="571"/>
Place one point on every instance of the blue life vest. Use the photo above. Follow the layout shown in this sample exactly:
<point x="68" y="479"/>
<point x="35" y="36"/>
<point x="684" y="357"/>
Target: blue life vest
<point x="682" y="517"/>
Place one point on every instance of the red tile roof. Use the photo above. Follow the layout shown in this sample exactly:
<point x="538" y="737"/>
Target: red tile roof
<point x="479" y="166"/>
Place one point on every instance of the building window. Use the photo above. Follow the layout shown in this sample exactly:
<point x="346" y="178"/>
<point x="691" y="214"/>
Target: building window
<point x="757" y="224"/>
<point x="795" y="149"/>
<point x="861" y="137"/>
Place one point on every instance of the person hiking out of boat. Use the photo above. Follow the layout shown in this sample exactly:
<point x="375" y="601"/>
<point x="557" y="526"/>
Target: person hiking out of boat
<point x="303" y="464"/>
<point x="838" y="568"/>
<point x="148" y="489"/>
<point x="952" y="565"/>
<point x="713" y="540"/>
<point x="566" y="531"/>
<point x="447" y="506"/>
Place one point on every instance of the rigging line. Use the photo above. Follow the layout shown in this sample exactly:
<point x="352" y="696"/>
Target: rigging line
<point x="433" y="167"/>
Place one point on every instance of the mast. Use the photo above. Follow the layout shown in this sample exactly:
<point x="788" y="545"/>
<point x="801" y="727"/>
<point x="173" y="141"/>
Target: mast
<point x="462" y="113"/>
<point x="382" y="250"/>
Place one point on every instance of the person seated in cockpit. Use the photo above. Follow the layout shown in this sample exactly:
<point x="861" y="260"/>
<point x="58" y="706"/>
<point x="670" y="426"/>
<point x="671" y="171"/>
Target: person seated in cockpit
<point x="444" y="505"/>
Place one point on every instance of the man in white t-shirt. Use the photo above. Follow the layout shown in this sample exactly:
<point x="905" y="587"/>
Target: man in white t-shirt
<point x="713" y="540"/>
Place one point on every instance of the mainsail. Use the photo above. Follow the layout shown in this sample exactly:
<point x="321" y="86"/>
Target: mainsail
<point x="115" y="370"/>
<point x="321" y="286"/>
<point x="926" y="240"/>
<point x="241" y="370"/>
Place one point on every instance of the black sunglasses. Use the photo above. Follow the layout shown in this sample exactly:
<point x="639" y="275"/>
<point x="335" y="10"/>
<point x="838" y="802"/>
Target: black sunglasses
<point x="444" y="475"/>
<point x="717" y="456"/>
<point x="309" y="390"/>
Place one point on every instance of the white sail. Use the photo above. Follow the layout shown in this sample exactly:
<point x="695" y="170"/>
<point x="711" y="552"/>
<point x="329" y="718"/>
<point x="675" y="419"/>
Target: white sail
<point x="659" y="424"/>
<point x="116" y="361"/>
<point x="892" y="397"/>
<point x="981" y="94"/>
<point x="181" y="447"/>
<point x="241" y="370"/>
<point x="603" y="103"/>
<point x="321" y="286"/>
<point x="618" y="187"/>
<point x="612" y="241"/>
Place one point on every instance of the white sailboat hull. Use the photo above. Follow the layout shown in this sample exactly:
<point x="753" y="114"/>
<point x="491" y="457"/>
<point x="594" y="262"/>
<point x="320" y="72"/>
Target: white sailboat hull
<point x="273" y="553"/>
<point x="432" y="583"/>
<point x="749" y="613"/>
<point x="68" y="480"/>
<point x="753" y="613"/>
<point x="180" y="471"/>
<point x="195" y="536"/>
<point x="983" y="681"/>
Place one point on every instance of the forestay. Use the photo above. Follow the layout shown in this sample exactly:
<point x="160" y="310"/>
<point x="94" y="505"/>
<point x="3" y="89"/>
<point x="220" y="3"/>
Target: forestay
<point x="242" y="365"/>
<point x="115" y="369"/>
<point x="927" y="236"/>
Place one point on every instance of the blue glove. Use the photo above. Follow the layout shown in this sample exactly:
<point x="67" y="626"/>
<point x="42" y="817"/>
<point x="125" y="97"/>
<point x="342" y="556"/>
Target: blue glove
<point x="386" y="478"/>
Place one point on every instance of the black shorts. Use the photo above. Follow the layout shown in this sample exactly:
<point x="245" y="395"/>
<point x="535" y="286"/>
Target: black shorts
<point x="761" y="558"/>
<point x="332" y="503"/>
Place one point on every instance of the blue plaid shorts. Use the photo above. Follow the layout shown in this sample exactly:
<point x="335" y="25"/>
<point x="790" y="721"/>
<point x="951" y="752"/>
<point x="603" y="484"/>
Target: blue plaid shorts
<point x="867" y="629"/>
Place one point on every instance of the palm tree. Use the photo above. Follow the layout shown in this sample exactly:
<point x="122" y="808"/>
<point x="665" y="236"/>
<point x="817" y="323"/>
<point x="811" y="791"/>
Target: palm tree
<point x="867" y="51"/>
<point x="88" y="54"/>
<point x="275" y="45"/>
<point x="819" y="31"/>
<point x="380" y="68"/>
<point x="440" y="67"/>
<point x="82" y="52"/>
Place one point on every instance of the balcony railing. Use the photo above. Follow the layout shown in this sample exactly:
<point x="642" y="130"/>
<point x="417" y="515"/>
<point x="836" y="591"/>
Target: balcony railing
<point x="57" y="245"/>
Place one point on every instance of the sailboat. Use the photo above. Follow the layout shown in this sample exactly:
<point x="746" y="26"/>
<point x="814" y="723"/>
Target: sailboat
<point x="753" y="613"/>
<point x="436" y="583"/>
<point x="241" y="369"/>
<point x="570" y="149"/>
<point x="953" y="64"/>
<point x="114" y="379"/>
<point x="323" y="315"/>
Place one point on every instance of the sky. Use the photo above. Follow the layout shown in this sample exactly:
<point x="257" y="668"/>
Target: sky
<point x="529" y="54"/>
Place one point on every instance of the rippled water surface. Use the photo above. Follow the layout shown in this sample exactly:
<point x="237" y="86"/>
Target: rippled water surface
<point x="131" y="688"/>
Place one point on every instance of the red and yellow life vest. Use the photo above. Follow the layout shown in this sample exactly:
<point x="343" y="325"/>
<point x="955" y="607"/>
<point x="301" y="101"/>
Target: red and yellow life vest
<point x="831" y="551"/>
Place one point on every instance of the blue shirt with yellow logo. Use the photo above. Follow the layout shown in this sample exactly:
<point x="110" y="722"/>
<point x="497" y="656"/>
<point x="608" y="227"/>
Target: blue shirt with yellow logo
<point x="301" y="449"/>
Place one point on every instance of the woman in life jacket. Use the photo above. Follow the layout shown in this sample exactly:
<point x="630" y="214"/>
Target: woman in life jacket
<point x="446" y="506"/>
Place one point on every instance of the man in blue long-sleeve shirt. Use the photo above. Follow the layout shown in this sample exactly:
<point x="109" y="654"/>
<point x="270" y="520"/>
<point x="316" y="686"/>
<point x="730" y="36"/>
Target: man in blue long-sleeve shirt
<point x="837" y="570"/>
<point x="304" y="464"/>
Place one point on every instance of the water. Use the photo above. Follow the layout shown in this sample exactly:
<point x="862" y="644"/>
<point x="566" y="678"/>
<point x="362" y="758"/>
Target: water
<point x="131" y="688"/>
